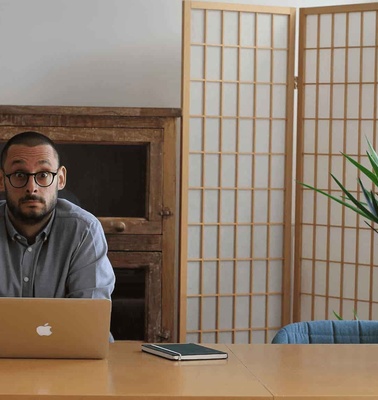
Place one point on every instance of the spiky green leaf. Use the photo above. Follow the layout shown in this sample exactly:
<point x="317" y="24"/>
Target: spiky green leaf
<point x="374" y="166"/>
<point x="337" y="199"/>
<point x="369" y="196"/>
<point x="368" y="209"/>
<point x="363" y="169"/>
<point x="357" y="203"/>
<point x="373" y="153"/>
<point x="337" y="315"/>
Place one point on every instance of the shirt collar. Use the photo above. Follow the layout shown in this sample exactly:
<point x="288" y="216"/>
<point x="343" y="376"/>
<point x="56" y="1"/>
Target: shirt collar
<point x="43" y="235"/>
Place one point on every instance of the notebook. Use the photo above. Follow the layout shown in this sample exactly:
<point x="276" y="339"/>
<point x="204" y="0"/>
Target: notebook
<point x="54" y="328"/>
<point x="184" y="351"/>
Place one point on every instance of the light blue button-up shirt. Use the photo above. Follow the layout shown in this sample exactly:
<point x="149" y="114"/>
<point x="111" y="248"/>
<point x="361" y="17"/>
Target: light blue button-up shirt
<point x="67" y="259"/>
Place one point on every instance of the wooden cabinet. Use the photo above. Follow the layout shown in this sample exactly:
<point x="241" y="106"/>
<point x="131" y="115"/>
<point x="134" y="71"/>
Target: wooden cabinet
<point x="121" y="165"/>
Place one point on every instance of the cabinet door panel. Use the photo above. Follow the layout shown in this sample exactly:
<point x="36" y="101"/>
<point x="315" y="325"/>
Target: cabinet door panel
<point x="150" y="291"/>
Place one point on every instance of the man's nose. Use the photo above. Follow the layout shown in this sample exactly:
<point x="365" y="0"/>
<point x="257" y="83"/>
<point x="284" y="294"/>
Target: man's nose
<point x="31" y="185"/>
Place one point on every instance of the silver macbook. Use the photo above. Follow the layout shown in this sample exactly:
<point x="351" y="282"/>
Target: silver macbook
<point x="54" y="328"/>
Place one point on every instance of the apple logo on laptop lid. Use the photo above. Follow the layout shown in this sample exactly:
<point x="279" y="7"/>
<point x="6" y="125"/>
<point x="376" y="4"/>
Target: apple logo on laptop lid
<point x="44" y="330"/>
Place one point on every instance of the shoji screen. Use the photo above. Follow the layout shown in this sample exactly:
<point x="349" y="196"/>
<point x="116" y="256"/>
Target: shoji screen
<point x="236" y="172"/>
<point x="336" y="258"/>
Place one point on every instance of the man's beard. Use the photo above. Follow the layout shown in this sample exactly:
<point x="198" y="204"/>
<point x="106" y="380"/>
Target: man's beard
<point x="31" y="217"/>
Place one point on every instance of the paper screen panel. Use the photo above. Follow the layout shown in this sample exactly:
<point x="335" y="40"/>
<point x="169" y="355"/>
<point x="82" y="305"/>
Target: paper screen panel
<point x="335" y="256"/>
<point x="236" y="172"/>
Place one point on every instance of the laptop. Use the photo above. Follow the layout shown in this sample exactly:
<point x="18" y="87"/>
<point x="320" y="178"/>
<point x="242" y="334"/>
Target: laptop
<point x="54" y="328"/>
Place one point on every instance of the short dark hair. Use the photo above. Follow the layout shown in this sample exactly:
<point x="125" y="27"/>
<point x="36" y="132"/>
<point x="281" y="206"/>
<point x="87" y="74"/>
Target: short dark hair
<point x="28" y="138"/>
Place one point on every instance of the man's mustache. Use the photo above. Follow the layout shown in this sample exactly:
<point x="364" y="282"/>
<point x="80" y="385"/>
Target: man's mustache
<point x="31" y="197"/>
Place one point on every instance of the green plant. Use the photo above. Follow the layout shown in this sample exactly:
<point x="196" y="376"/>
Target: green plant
<point x="368" y="209"/>
<point x="340" y="318"/>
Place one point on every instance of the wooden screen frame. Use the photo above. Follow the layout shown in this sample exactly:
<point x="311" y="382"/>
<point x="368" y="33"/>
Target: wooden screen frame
<point x="297" y="297"/>
<point x="286" y="279"/>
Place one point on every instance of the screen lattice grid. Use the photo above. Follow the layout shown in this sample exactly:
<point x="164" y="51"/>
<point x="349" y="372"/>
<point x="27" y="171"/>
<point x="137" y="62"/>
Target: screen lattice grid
<point x="237" y="155"/>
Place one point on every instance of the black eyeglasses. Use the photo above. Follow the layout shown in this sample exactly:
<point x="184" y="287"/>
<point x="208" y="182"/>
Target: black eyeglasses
<point x="20" y="179"/>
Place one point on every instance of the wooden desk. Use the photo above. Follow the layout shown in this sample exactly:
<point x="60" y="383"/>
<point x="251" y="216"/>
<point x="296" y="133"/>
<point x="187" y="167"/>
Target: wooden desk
<point x="252" y="372"/>
<point x="129" y="374"/>
<point x="313" y="372"/>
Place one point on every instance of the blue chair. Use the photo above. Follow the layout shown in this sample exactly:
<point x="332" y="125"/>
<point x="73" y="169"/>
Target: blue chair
<point x="328" y="332"/>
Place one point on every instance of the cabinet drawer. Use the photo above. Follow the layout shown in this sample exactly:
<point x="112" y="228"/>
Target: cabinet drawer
<point x="134" y="242"/>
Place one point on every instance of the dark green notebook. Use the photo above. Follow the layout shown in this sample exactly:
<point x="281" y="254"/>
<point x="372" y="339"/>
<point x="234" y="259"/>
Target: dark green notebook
<point x="184" y="351"/>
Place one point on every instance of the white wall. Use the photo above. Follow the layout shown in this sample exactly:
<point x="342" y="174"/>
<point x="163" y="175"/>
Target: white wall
<point x="97" y="52"/>
<point x="90" y="52"/>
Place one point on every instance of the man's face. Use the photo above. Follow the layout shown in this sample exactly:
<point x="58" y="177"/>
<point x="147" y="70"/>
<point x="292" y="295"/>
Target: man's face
<point x="32" y="204"/>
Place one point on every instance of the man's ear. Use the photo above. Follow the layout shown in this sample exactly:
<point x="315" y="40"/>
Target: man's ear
<point x="62" y="173"/>
<point x="2" y="183"/>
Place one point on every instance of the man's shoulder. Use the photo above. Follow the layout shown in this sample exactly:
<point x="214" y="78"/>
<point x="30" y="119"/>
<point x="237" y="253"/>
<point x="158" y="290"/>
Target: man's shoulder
<point x="66" y="210"/>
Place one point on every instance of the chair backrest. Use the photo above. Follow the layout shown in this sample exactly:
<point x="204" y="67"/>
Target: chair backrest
<point x="328" y="332"/>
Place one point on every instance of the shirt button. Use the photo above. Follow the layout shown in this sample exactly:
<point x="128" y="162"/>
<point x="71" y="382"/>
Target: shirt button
<point x="26" y="279"/>
<point x="29" y="249"/>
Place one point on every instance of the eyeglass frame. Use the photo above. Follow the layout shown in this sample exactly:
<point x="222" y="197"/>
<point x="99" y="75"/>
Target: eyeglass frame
<point x="29" y="174"/>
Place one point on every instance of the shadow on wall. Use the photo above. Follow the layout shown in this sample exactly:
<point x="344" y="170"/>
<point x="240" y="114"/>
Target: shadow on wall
<point x="113" y="80"/>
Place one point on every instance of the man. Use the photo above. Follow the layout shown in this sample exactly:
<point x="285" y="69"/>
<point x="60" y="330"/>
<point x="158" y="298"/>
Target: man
<point x="49" y="247"/>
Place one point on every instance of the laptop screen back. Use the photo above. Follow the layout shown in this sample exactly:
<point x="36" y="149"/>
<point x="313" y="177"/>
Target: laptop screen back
<point x="54" y="328"/>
